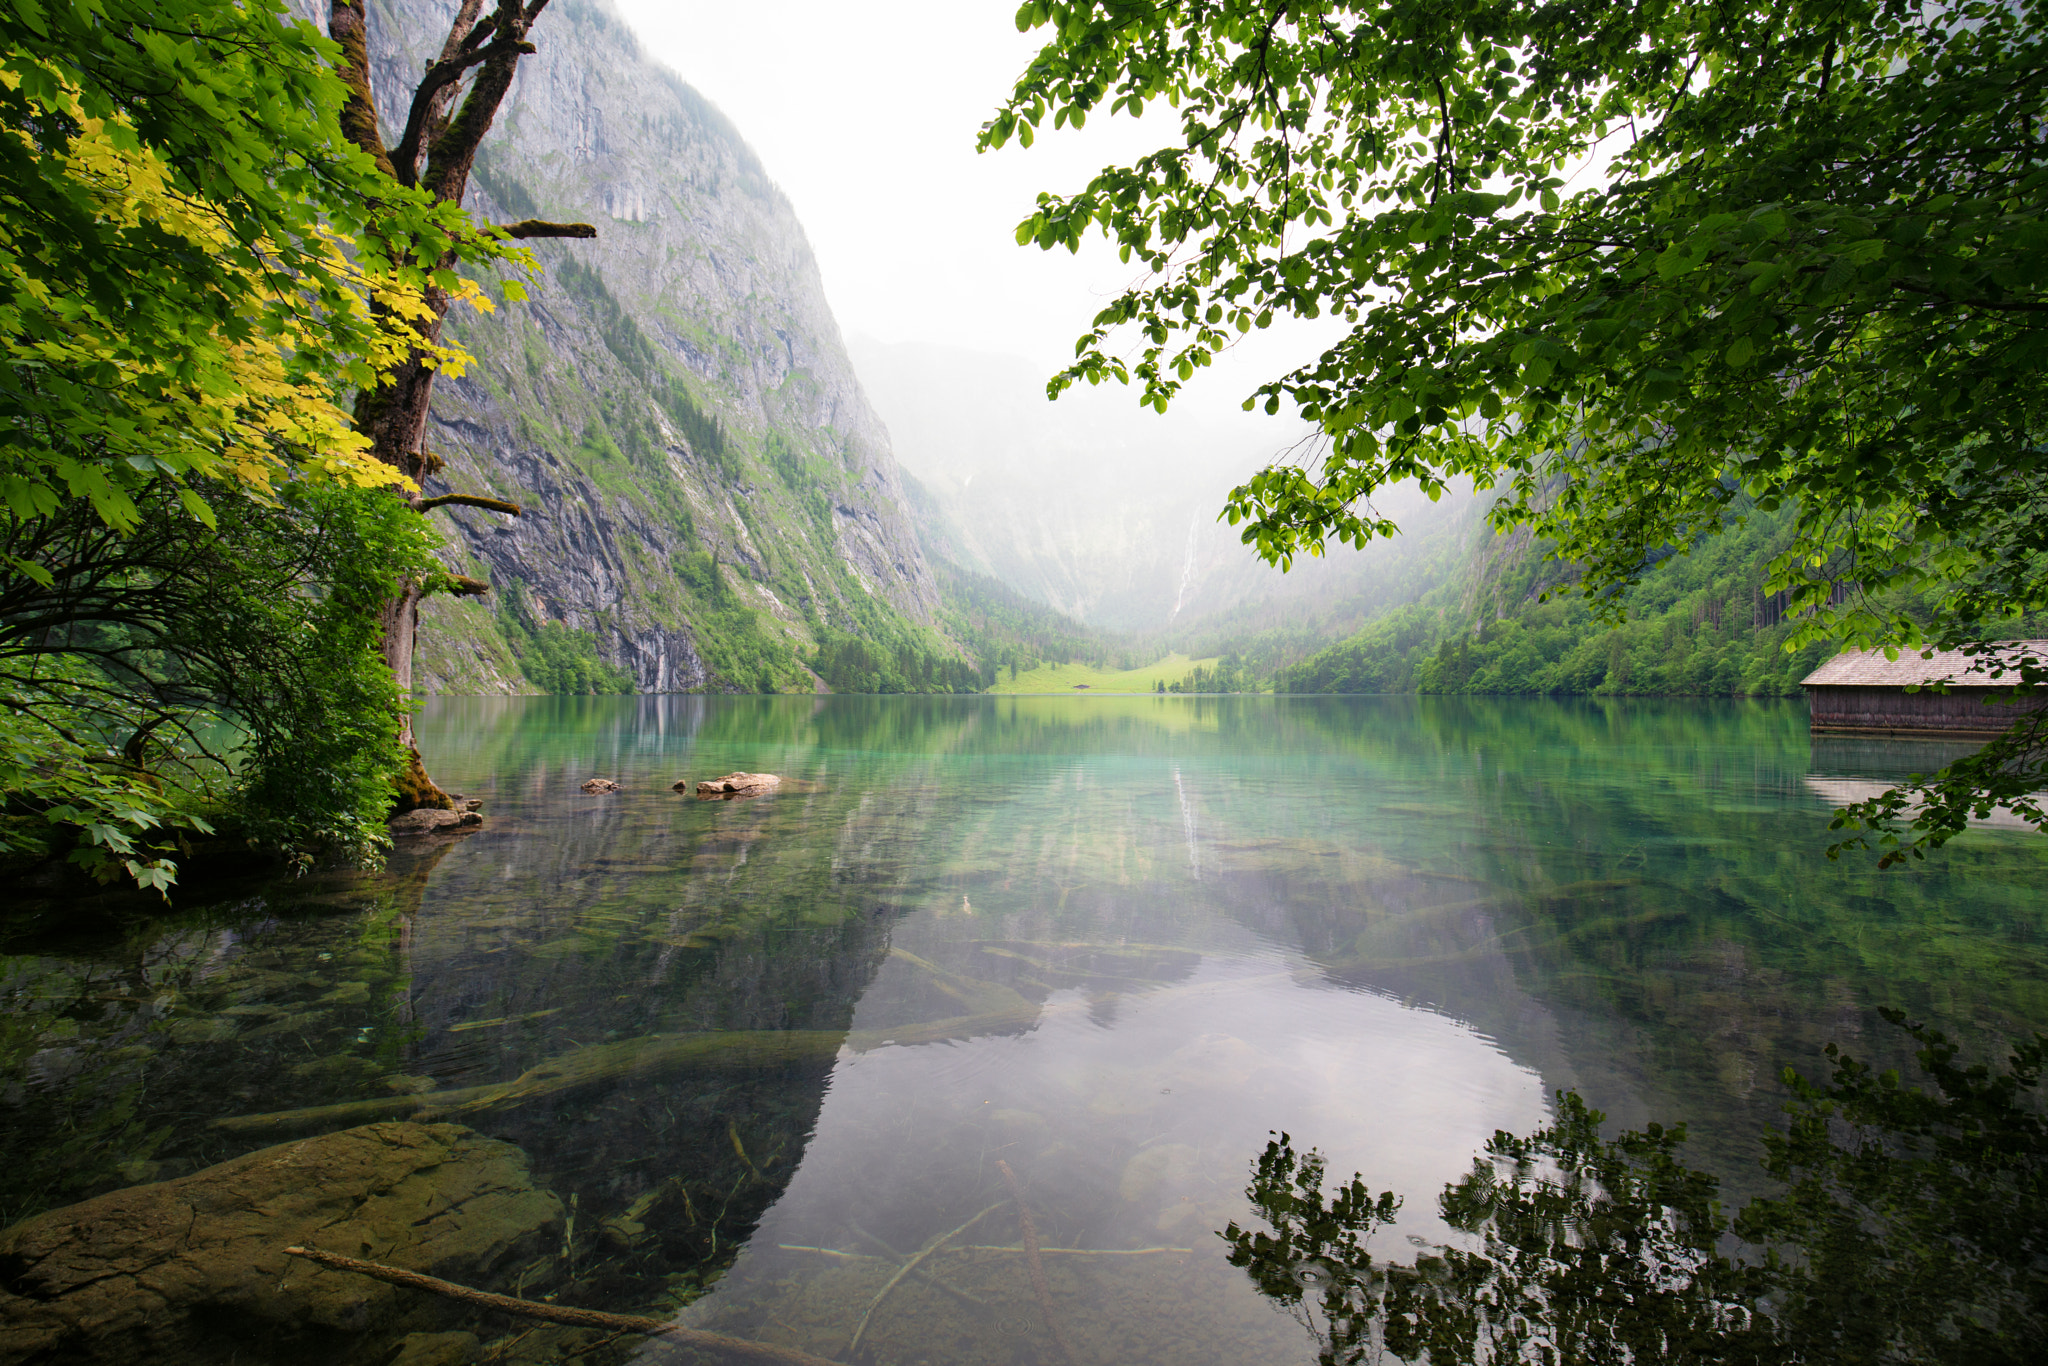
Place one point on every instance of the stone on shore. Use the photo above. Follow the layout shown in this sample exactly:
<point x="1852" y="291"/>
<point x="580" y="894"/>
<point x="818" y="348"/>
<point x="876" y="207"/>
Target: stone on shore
<point x="194" y="1270"/>
<point x="735" y="785"/>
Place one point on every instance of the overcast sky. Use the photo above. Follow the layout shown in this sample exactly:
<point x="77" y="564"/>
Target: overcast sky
<point x="866" y="116"/>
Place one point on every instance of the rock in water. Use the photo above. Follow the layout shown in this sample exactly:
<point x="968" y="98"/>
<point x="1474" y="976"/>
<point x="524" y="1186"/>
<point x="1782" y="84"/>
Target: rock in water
<point x="599" y="786"/>
<point x="427" y="820"/>
<point x="438" y="1349"/>
<point x="194" y="1270"/>
<point x="737" y="785"/>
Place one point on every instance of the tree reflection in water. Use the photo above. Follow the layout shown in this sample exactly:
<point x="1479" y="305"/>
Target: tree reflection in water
<point x="1910" y="1225"/>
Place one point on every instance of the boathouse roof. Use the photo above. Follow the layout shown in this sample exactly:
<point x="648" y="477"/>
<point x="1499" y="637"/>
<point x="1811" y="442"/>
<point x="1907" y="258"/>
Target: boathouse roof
<point x="1870" y="669"/>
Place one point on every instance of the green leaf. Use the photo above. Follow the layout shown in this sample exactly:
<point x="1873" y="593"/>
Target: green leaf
<point x="198" y="507"/>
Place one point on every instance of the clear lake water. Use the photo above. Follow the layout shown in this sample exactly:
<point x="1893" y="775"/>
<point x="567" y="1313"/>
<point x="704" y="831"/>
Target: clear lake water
<point x="802" y="1056"/>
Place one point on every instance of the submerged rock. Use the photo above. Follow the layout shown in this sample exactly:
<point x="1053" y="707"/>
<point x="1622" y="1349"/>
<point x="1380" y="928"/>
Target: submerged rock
<point x="427" y="820"/>
<point x="438" y="1349"/>
<point x="599" y="786"/>
<point x="735" y="785"/>
<point x="194" y="1270"/>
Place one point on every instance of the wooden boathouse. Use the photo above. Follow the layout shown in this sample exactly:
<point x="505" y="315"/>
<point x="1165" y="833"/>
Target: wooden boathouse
<point x="1861" y="692"/>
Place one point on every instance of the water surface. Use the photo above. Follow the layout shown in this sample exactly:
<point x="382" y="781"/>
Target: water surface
<point x="1107" y="944"/>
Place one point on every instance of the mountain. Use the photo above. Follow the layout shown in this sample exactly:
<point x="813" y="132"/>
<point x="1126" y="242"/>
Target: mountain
<point x="706" y="490"/>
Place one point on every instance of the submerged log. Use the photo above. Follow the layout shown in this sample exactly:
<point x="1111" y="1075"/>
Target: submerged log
<point x="652" y="1055"/>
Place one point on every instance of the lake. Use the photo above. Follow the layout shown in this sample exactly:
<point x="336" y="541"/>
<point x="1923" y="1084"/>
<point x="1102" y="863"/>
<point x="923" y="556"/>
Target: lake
<point x="793" y="1063"/>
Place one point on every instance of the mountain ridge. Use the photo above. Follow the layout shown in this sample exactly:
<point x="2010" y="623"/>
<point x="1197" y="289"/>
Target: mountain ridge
<point x="705" y="488"/>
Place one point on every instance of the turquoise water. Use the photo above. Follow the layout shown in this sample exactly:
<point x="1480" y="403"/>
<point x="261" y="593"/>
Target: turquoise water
<point x="789" y="1043"/>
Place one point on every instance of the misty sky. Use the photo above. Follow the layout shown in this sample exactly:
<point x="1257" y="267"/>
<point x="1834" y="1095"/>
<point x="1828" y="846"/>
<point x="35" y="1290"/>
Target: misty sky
<point x="866" y="116"/>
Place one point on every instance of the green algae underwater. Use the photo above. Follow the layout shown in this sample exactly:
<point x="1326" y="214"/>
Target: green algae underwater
<point x="774" y="1056"/>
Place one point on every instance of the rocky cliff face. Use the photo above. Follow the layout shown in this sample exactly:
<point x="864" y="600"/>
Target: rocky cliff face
<point x="705" y="485"/>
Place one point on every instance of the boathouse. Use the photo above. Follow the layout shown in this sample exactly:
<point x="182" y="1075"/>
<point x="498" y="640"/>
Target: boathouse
<point x="1862" y="692"/>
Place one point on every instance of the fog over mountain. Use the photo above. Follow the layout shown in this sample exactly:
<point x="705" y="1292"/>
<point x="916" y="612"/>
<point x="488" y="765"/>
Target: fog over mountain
<point x="1095" y="506"/>
<point x="708" y="488"/>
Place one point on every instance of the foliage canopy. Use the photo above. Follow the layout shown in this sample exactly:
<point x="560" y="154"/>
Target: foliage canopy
<point x="197" y="272"/>
<point x="194" y="267"/>
<point x="1808" y="275"/>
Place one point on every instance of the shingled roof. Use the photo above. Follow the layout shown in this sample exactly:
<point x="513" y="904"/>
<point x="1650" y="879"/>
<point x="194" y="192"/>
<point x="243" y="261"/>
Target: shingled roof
<point x="1870" y="669"/>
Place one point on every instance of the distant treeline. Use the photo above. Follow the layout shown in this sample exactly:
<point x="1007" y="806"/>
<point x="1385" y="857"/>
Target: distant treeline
<point x="1228" y="674"/>
<point x="985" y="629"/>
<point x="1697" y="625"/>
<point x="739" y="642"/>
<point x="850" y="664"/>
<point x="1005" y="630"/>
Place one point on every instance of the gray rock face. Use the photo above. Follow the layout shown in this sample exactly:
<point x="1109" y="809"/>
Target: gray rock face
<point x="677" y="388"/>
<point x="153" y="1272"/>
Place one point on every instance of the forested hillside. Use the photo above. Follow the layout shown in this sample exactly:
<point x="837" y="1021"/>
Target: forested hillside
<point x="1696" y="625"/>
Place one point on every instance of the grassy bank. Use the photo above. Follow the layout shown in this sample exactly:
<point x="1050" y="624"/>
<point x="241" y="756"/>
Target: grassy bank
<point x="1086" y="677"/>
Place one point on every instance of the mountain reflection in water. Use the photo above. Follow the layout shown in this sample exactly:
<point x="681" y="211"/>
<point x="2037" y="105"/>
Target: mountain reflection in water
<point x="775" y="1050"/>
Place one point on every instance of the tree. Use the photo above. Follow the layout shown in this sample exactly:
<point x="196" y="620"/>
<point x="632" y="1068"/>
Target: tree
<point x="190" y="289"/>
<point x="187" y="285"/>
<point x="1811" y="279"/>
<point x="435" y="154"/>
<point x="173" y="674"/>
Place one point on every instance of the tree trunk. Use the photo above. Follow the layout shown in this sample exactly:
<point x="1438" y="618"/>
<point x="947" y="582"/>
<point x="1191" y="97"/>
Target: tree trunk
<point x="399" y="616"/>
<point x="436" y="153"/>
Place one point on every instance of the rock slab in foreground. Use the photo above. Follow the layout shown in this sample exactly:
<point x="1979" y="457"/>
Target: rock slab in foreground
<point x="735" y="785"/>
<point x="194" y="1269"/>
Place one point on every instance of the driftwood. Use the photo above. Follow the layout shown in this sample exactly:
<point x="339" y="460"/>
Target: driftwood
<point x="1036" y="1266"/>
<point x="860" y="1329"/>
<point x="965" y="1248"/>
<point x="731" y="1348"/>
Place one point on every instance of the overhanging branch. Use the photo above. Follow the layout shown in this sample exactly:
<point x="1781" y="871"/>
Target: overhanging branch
<point x="534" y="227"/>
<point x="1989" y="305"/>
<point x="468" y="500"/>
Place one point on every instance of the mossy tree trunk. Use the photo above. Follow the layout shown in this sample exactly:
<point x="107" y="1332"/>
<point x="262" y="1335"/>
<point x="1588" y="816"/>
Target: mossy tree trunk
<point x="452" y="109"/>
